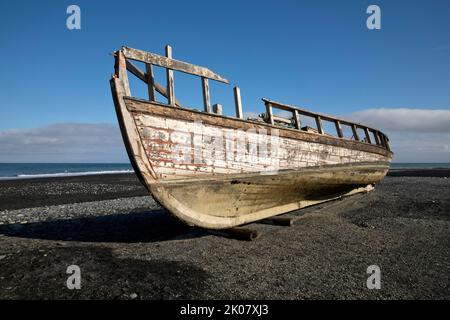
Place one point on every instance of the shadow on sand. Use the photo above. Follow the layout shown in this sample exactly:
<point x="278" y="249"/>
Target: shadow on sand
<point x="147" y="226"/>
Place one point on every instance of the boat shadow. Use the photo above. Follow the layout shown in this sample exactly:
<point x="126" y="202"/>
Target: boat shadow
<point x="144" y="226"/>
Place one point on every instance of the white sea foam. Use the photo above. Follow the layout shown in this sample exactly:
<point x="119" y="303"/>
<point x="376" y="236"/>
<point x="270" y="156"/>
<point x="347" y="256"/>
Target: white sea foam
<point x="64" y="174"/>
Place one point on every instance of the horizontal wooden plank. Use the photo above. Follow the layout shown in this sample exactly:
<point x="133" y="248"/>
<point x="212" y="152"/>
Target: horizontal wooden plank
<point x="173" y="64"/>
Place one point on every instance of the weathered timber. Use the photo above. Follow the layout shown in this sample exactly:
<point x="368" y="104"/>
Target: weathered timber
<point x="366" y="132"/>
<point x="142" y="76"/>
<point x="206" y="98"/>
<point x="169" y="63"/>
<point x="150" y="81"/>
<point x="337" y="123"/>
<point x="170" y="85"/>
<point x="238" y="102"/>
<point x="377" y="139"/>
<point x="319" y="124"/>
<point x="159" y="109"/>
<point x="269" y="113"/>
<point x="355" y="132"/>
<point x="238" y="233"/>
<point x="217" y="109"/>
<point x="298" y="123"/>
<point x="281" y="221"/>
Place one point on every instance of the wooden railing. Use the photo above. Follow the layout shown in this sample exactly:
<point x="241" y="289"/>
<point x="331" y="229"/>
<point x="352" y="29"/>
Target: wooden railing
<point x="380" y="138"/>
<point x="151" y="59"/>
<point x="168" y="91"/>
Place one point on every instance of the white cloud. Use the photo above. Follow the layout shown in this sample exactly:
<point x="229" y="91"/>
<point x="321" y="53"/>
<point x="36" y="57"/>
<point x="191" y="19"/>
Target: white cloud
<point x="416" y="135"/>
<point x="64" y="142"/>
<point x="405" y="120"/>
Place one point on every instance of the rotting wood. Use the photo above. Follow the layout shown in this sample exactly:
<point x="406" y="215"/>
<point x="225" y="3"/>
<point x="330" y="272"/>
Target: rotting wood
<point x="142" y="76"/>
<point x="305" y="112"/>
<point x="355" y="132"/>
<point x="206" y="98"/>
<point x="238" y="233"/>
<point x="319" y="124"/>
<point x="150" y="81"/>
<point x="238" y="102"/>
<point x="298" y="123"/>
<point x="281" y="221"/>
<point x="170" y="84"/>
<point x="217" y="109"/>
<point x="337" y="123"/>
<point x="366" y="132"/>
<point x="377" y="139"/>
<point x="173" y="64"/>
<point x="143" y="106"/>
<point x="269" y="113"/>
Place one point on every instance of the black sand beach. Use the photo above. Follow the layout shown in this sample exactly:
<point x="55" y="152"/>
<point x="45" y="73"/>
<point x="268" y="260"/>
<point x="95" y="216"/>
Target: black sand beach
<point x="129" y="248"/>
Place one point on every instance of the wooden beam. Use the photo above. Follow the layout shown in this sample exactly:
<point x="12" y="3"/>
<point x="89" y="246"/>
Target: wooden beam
<point x="142" y="76"/>
<point x="337" y="123"/>
<point x="238" y="233"/>
<point x="170" y="63"/>
<point x="217" y="108"/>
<point x="377" y="139"/>
<point x="170" y="85"/>
<point x="298" y="124"/>
<point x="355" y="133"/>
<point x="319" y="124"/>
<point x="366" y="131"/>
<point x="150" y="81"/>
<point x="206" y="98"/>
<point x="121" y="71"/>
<point x="269" y="113"/>
<point x="238" y="102"/>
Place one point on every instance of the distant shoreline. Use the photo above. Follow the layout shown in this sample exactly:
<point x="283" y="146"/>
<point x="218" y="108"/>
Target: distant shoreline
<point x="393" y="172"/>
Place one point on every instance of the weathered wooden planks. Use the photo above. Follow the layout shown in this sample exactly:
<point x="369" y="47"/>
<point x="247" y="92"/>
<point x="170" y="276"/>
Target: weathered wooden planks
<point x="158" y="109"/>
<point x="169" y="63"/>
<point x="144" y="77"/>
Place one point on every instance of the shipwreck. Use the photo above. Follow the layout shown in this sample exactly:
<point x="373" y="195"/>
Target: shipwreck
<point x="216" y="171"/>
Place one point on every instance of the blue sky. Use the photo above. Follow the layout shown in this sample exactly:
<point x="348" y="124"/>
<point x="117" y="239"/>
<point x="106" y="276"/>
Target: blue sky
<point x="315" y="54"/>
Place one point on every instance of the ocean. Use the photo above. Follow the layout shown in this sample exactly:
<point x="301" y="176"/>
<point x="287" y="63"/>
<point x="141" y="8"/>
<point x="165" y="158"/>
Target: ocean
<point x="10" y="171"/>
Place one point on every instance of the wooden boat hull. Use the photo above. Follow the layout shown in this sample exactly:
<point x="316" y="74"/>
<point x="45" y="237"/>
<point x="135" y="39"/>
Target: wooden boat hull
<point x="221" y="191"/>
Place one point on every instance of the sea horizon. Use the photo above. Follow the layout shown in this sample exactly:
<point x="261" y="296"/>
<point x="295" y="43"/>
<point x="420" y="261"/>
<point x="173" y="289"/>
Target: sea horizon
<point x="29" y="170"/>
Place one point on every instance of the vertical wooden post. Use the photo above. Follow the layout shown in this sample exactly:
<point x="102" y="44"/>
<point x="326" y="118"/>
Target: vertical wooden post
<point x="206" y="98"/>
<point x="298" y="124"/>
<point x="377" y="139"/>
<point x="121" y="71"/>
<point x="217" y="108"/>
<point x="337" y="123"/>
<point x="150" y="81"/>
<point x="238" y="102"/>
<point x="355" y="133"/>
<point x="366" y="131"/>
<point x="319" y="124"/>
<point x="269" y="113"/>
<point x="170" y="86"/>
